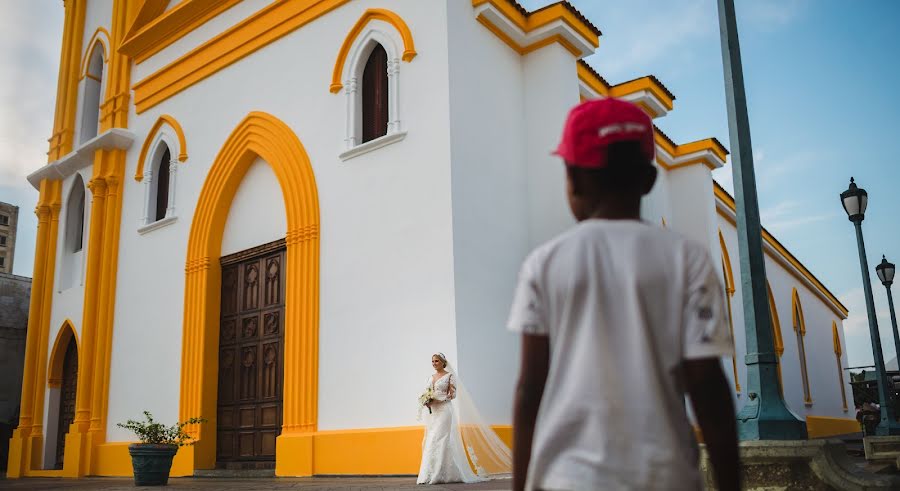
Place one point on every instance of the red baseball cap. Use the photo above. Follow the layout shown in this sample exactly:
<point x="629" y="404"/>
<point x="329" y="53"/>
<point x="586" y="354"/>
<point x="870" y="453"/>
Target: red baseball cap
<point x="595" y="124"/>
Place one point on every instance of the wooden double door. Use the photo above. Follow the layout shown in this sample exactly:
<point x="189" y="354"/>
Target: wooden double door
<point x="251" y="357"/>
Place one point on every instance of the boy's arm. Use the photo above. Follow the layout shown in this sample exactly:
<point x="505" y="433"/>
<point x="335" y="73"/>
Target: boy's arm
<point x="529" y="390"/>
<point x="711" y="400"/>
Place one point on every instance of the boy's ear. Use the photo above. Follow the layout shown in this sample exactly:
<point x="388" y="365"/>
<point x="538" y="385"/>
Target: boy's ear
<point x="650" y="179"/>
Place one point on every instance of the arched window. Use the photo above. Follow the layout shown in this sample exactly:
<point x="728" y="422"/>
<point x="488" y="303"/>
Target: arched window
<point x="75" y="217"/>
<point x="375" y="95"/>
<point x="800" y="331"/>
<point x="836" y="338"/>
<point x="160" y="193"/>
<point x="93" y="83"/>
<point x="776" y="335"/>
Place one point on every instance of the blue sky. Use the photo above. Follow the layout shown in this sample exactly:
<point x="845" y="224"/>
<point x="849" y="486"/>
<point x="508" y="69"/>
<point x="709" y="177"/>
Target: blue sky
<point x="821" y="93"/>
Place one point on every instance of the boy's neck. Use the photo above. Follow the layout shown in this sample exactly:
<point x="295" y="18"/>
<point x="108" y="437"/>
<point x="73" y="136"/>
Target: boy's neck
<point x="615" y="211"/>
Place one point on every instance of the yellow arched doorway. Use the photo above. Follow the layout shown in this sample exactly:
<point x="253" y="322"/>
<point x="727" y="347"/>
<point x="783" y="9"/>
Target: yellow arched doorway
<point x="263" y="136"/>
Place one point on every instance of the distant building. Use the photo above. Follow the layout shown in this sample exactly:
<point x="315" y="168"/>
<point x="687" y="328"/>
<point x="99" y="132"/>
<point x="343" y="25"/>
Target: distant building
<point x="9" y="217"/>
<point x="15" y="294"/>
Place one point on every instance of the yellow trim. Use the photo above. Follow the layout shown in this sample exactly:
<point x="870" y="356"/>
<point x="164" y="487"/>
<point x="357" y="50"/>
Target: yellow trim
<point x="156" y="32"/>
<point x="259" y="135"/>
<point x="145" y="148"/>
<point x="823" y="426"/>
<point x="801" y="271"/>
<point x="729" y="274"/>
<point x="369" y="451"/>
<point x="776" y="334"/>
<point x="409" y="48"/>
<point x="148" y="12"/>
<point x="643" y="83"/>
<point x="95" y="39"/>
<point x="729" y="292"/>
<point x="26" y="444"/>
<point x="58" y="353"/>
<point x="710" y="144"/>
<point x="800" y="328"/>
<point x="836" y="339"/>
<point x="587" y="75"/>
<point x="540" y="18"/>
<point x="61" y="140"/>
<point x="259" y="30"/>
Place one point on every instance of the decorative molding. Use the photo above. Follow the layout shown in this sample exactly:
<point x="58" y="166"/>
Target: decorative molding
<point x="647" y="92"/>
<point x="165" y="119"/>
<point x="525" y="32"/>
<point x="101" y="36"/>
<point x="708" y="152"/>
<point x="254" y="251"/>
<point x="259" y="30"/>
<point x="157" y="225"/>
<point x="154" y="28"/>
<point x="259" y="135"/>
<point x="399" y="25"/>
<point x="725" y="207"/>
<point x="83" y="156"/>
<point x="369" y="146"/>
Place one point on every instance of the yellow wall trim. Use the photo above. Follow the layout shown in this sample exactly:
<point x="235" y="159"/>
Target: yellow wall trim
<point x="154" y="29"/>
<point x="409" y="48"/>
<point x="259" y="135"/>
<point x="145" y="148"/>
<point x="530" y="21"/>
<point x="801" y="271"/>
<point x="596" y="83"/>
<point x="259" y="30"/>
<point x="370" y="451"/>
<point x="823" y="426"/>
<point x="58" y="353"/>
<point x="101" y="37"/>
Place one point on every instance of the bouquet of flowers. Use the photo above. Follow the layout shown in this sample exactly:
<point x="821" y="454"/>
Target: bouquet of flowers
<point x="426" y="398"/>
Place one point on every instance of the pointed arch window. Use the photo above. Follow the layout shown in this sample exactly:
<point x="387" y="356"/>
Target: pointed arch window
<point x="367" y="69"/>
<point x="161" y="184"/>
<point x="800" y="331"/>
<point x="375" y="95"/>
<point x="728" y="276"/>
<point x="92" y="93"/>
<point x="838" y="351"/>
<point x="776" y="335"/>
<point x="75" y="217"/>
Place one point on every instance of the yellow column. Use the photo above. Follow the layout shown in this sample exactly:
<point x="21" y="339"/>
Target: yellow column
<point x="54" y="189"/>
<point x="19" y="448"/>
<point x="67" y="86"/>
<point x="78" y="448"/>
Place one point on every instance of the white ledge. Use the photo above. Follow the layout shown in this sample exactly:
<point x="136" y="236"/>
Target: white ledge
<point x="372" y="145"/>
<point x="157" y="224"/>
<point x="83" y="156"/>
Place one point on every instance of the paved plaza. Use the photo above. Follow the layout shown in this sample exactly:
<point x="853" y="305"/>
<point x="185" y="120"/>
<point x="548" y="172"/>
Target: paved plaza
<point x="187" y="483"/>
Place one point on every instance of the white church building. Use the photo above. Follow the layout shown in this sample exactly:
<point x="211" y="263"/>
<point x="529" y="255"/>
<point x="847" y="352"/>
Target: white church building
<point x="271" y="213"/>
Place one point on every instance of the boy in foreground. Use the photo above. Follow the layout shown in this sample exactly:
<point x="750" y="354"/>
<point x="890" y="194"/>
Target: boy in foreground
<point x="619" y="320"/>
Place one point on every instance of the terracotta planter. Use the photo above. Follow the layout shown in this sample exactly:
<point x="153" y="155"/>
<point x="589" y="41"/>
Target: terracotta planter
<point x="151" y="463"/>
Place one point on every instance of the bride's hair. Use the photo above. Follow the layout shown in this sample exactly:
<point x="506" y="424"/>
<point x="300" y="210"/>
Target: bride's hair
<point x="442" y="358"/>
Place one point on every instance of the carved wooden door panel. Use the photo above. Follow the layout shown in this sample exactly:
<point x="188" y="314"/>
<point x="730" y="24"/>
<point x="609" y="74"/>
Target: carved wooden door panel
<point x="251" y="355"/>
<point x="66" y="399"/>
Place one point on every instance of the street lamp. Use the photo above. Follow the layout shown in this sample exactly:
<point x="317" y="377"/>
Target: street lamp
<point x="885" y="272"/>
<point x="855" y="201"/>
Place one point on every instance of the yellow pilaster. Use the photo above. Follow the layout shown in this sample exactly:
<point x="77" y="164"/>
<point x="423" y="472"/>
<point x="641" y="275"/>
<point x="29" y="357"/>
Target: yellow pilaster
<point x="67" y="86"/>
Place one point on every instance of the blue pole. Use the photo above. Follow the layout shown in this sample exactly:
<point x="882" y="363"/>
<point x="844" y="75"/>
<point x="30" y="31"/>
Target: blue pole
<point x="765" y="415"/>
<point x="887" y="425"/>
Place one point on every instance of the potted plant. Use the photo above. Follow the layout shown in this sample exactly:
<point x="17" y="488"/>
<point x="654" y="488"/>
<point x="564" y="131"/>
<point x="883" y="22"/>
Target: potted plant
<point x="151" y="459"/>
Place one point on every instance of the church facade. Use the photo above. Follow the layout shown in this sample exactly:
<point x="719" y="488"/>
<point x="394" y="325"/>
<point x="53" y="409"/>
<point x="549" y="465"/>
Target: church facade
<point x="271" y="214"/>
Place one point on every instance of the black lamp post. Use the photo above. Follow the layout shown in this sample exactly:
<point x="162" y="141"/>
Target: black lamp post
<point x="855" y="201"/>
<point x="885" y="272"/>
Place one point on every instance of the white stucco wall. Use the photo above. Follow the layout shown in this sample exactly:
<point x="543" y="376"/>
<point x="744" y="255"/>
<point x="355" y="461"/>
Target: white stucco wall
<point x="490" y="208"/>
<point x="820" y="358"/>
<point x="257" y="214"/>
<point x="386" y="299"/>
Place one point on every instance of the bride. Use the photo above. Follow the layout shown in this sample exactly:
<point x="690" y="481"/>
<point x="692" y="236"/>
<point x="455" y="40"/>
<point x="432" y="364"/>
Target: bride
<point x="458" y="445"/>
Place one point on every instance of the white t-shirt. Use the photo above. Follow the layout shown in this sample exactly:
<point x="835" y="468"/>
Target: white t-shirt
<point x="623" y="303"/>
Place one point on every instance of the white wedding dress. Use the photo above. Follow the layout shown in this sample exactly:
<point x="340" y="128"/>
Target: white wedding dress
<point x="444" y="457"/>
